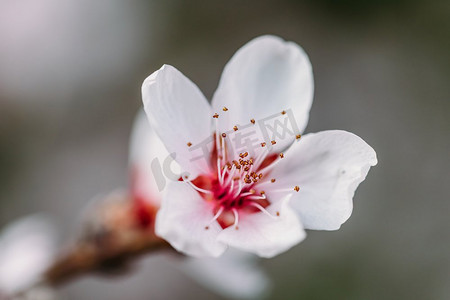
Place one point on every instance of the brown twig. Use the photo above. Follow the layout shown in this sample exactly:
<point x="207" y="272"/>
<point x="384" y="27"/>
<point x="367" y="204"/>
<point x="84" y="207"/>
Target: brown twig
<point x="113" y="237"/>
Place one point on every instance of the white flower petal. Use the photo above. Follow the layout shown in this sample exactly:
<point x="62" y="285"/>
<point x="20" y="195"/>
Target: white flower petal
<point x="265" y="77"/>
<point x="27" y="247"/>
<point x="182" y="219"/>
<point x="179" y="114"/>
<point x="263" y="235"/>
<point x="149" y="161"/>
<point x="235" y="274"/>
<point x="328" y="167"/>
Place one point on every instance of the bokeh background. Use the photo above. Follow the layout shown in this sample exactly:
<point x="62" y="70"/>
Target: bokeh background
<point x="70" y="78"/>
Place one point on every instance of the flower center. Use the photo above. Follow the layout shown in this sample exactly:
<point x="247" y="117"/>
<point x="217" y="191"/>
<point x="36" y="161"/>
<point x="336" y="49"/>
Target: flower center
<point x="235" y="188"/>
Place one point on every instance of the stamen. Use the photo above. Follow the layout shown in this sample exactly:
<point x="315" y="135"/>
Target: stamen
<point x="262" y="209"/>
<point x="224" y="135"/>
<point x="222" y="174"/>
<point x="273" y="142"/>
<point x="235" y="128"/>
<point x="236" y="218"/>
<point x="224" y="108"/>
<point x="283" y="112"/>
<point x="244" y="154"/>
<point x="230" y="175"/>
<point x="281" y="155"/>
<point x="216" y="115"/>
<point x="295" y="189"/>
<point x="252" y="121"/>
<point x="189" y="144"/>
<point x="197" y="188"/>
<point x="256" y="197"/>
<point x="272" y="180"/>
<point x="239" y="189"/>
<point x="298" y="136"/>
<point x="232" y="185"/>
<point x="251" y="192"/>
<point x="216" y="216"/>
<point x="218" y="149"/>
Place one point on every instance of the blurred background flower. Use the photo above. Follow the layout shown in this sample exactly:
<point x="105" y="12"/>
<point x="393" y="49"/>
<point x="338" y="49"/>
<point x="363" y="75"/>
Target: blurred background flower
<point x="70" y="78"/>
<point x="27" y="247"/>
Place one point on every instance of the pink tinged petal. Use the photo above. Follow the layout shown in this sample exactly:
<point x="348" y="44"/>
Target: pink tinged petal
<point x="147" y="161"/>
<point x="180" y="115"/>
<point x="328" y="167"/>
<point x="27" y="247"/>
<point x="235" y="275"/>
<point x="182" y="221"/>
<point x="264" y="235"/>
<point x="265" y="77"/>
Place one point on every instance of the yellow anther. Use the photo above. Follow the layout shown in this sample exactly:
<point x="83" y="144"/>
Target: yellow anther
<point x="296" y="188"/>
<point x="225" y="109"/>
<point x="216" y="115"/>
<point x="189" y="144"/>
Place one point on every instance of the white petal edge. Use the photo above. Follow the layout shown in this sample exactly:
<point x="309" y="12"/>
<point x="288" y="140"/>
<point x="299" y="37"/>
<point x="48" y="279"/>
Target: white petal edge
<point x="328" y="167"/>
<point x="180" y="114"/>
<point x="265" y="77"/>
<point x="182" y="219"/>
<point x="235" y="275"/>
<point x="265" y="236"/>
<point x="150" y="164"/>
<point x="27" y="247"/>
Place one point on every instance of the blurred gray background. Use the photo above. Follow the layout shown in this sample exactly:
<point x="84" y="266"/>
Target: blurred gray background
<point x="70" y="78"/>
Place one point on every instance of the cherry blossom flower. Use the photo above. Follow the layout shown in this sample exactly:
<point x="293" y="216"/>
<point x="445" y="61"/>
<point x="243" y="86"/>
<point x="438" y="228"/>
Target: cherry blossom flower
<point x="255" y="193"/>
